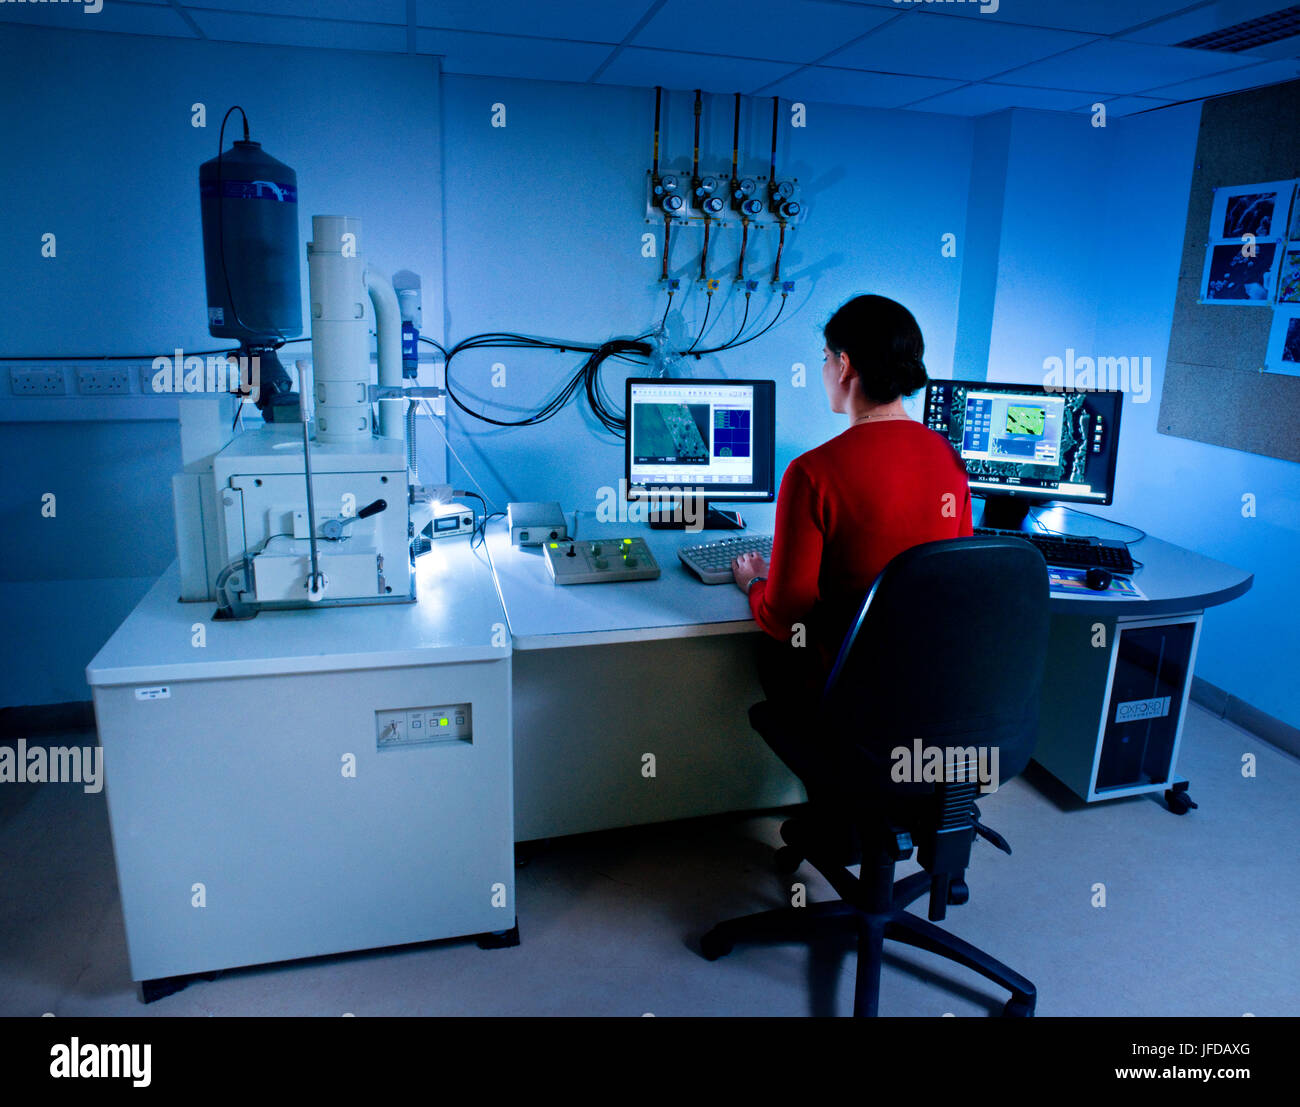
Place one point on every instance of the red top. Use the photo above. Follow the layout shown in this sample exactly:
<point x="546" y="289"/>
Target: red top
<point x="845" y="509"/>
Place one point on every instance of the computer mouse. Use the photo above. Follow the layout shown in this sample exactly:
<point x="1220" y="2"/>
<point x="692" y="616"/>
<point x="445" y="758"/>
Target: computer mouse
<point x="1098" y="579"/>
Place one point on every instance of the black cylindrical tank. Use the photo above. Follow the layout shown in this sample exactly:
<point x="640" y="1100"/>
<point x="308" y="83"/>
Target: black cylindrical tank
<point x="250" y="245"/>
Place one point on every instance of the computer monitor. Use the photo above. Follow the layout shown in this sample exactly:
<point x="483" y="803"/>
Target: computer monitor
<point x="692" y="443"/>
<point x="1024" y="444"/>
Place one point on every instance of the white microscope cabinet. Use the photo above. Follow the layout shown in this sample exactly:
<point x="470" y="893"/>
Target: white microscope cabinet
<point x="310" y="782"/>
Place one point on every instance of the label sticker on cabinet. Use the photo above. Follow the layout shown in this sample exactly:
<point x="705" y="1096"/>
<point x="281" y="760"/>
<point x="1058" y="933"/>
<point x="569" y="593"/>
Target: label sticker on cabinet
<point x="1133" y="710"/>
<point x="161" y="692"/>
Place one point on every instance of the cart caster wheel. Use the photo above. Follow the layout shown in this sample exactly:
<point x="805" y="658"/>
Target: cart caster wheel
<point x="1178" y="800"/>
<point x="787" y="860"/>
<point x="1018" y="1008"/>
<point x="713" y="945"/>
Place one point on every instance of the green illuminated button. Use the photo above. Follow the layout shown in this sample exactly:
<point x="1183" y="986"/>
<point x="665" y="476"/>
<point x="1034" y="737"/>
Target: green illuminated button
<point x="442" y="722"/>
<point x="555" y="545"/>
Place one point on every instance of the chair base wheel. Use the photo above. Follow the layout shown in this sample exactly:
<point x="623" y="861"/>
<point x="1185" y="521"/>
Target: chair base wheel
<point x="713" y="945"/>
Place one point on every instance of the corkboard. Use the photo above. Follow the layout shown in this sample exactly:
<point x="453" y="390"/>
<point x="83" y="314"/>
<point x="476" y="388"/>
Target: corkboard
<point x="1214" y="390"/>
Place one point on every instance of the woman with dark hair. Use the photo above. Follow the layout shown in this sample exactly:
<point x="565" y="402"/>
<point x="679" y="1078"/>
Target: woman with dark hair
<point x="846" y="508"/>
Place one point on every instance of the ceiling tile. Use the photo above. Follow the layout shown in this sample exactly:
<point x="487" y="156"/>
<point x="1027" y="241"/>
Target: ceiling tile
<point x="1129" y="105"/>
<point x="131" y="19"/>
<point x="777" y="30"/>
<point x="1118" y="67"/>
<point x="636" y="66"/>
<point x="1267" y="73"/>
<point x="851" y="86"/>
<point x="1100" y="17"/>
<point x="284" y="31"/>
<point x="579" y="20"/>
<point x="965" y="49"/>
<point x="367" y="11"/>
<point x="983" y="99"/>
<point x="510" y="56"/>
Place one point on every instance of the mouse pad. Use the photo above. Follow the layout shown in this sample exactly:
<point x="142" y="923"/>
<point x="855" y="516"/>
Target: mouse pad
<point x="1071" y="582"/>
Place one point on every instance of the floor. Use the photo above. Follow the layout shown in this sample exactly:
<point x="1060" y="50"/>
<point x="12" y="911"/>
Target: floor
<point x="1198" y="915"/>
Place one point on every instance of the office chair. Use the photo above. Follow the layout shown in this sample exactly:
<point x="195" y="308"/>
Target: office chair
<point x="948" y="648"/>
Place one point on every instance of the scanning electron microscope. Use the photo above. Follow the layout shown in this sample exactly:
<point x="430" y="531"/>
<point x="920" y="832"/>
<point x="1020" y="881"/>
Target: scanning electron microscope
<point x="375" y="809"/>
<point x="279" y="517"/>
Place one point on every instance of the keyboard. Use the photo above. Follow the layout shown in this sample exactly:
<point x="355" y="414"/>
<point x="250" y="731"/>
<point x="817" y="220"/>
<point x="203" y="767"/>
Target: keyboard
<point x="1070" y="551"/>
<point x="711" y="562"/>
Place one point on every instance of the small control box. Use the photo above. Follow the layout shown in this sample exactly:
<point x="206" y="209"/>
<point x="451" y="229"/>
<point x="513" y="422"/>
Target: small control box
<point x="450" y="519"/>
<point x="600" y="560"/>
<point x="531" y="524"/>
<point x="404" y="727"/>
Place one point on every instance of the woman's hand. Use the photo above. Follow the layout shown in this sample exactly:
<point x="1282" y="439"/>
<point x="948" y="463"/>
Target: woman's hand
<point x="746" y="567"/>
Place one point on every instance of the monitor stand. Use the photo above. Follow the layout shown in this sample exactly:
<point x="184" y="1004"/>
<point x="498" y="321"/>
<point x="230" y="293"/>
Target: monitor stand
<point x="672" y="517"/>
<point x="1006" y="512"/>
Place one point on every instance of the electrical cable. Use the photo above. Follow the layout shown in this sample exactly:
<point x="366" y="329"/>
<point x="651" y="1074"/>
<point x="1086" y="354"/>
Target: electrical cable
<point x="433" y="418"/>
<point x="759" y="334"/>
<point x="1088" y="514"/>
<point x="708" y="308"/>
<point x="586" y="377"/>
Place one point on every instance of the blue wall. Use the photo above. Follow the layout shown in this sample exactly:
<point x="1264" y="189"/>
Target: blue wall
<point x="545" y="218"/>
<point x="101" y="152"/>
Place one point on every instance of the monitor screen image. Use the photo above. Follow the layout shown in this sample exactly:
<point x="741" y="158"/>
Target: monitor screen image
<point x="710" y="438"/>
<point x="1024" y="440"/>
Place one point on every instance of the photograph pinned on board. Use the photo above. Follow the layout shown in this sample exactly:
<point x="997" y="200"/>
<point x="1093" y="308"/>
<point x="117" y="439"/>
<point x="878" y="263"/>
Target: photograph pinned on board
<point x="1258" y="210"/>
<point x="1283" y="354"/>
<point x="1237" y="274"/>
<point x="1288" y="284"/>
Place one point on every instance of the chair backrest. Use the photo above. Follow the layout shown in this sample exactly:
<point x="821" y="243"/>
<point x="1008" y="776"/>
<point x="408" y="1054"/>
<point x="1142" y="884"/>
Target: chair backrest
<point x="947" y="650"/>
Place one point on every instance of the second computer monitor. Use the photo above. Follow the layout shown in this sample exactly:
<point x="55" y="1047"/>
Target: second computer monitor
<point x="703" y="441"/>
<point x="1024" y="444"/>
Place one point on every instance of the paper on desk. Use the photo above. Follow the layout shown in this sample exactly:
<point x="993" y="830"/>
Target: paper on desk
<point x="1073" y="582"/>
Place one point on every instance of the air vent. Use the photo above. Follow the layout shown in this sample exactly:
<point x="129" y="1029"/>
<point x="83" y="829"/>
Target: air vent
<point x="1252" y="34"/>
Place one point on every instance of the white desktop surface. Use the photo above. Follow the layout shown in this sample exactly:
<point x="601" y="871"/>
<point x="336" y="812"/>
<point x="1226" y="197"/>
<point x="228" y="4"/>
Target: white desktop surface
<point x="677" y="605"/>
<point x="543" y="616"/>
<point x="456" y="611"/>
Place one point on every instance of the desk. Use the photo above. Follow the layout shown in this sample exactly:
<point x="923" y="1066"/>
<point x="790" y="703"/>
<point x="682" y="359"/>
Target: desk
<point x="605" y="674"/>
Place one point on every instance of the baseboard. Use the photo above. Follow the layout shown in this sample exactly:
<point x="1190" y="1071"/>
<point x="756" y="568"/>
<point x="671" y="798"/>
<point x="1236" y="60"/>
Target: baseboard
<point x="1225" y="705"/>
<point x="49" y="718"/>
